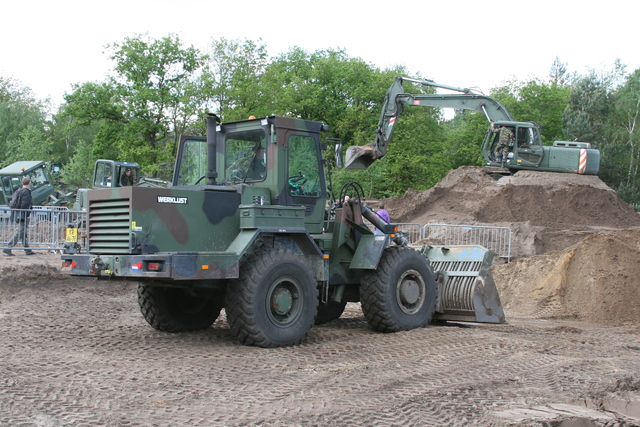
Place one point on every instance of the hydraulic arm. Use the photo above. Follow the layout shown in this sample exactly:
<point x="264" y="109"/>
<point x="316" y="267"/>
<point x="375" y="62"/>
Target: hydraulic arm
<point x="396" y="99"/>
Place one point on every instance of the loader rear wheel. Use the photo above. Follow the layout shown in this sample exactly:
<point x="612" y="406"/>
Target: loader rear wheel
<point x="274" y="301"/>
<point x="175" y="309"/>
<point x="401" y="294"/>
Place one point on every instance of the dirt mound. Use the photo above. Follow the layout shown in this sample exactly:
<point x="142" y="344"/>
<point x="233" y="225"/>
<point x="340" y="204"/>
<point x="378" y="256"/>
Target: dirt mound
<point x="20" y="268"/>
<point x="546" y="211"/>
<point x="595" y="281"/>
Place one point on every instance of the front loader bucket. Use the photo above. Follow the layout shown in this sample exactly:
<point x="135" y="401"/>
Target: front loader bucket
<point x="466" y="290"/>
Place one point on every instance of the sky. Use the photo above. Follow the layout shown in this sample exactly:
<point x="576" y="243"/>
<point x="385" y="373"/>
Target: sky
<point x="50" y="45"/>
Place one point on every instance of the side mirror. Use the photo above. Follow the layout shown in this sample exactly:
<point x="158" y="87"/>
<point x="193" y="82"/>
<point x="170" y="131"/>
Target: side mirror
<point x="337" y="148"/>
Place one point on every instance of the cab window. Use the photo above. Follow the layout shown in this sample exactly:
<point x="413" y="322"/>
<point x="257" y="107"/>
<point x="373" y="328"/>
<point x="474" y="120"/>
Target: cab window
<point x="245" y="156"/>
<point x="304" y="174"/>
<point x="193" y="162"/>
<point x="103" y="176"/>
<point x="38" y="179"/>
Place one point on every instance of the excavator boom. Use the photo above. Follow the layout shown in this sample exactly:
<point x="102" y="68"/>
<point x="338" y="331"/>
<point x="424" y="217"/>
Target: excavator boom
<point x="395" y="99"/>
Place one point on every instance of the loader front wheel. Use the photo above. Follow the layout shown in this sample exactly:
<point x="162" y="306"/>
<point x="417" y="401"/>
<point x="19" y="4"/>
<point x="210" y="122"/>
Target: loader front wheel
<point x="401" y="294"/>
<point x="274" y="301"/>
<point x="176" y="310"/>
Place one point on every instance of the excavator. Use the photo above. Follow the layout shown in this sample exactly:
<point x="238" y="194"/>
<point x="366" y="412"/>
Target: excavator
<point x="524" y="150"/>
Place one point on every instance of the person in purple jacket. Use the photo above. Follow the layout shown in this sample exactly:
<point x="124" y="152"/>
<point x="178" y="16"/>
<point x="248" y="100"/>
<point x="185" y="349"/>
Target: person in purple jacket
<point x="383" y="214"/>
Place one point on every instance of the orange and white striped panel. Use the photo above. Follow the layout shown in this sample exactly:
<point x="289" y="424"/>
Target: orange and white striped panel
<point x="583" y="161"/>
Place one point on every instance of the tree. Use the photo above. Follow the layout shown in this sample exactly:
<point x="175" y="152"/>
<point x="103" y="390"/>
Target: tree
<point x="419" y="157"/>
<point x="234" y="78"/>
<point x="536" y="101"/>
<point x="559" y="74"/>
<point x="587" y="111"/>
<point x="78" y="172"/>
<point x="30" y="145"/>
<point x="625" y="124"/>
<point x="151" y="100"/>
<point x="21" y="115"/>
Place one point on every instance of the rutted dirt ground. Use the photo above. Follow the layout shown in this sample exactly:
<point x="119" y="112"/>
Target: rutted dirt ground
<point x="78" y="352"/>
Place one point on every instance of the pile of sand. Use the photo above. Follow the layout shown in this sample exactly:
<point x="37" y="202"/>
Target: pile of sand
<point x="595" y="280"/>
<point x="546" y="211"/>
<point x="576" y="243"/>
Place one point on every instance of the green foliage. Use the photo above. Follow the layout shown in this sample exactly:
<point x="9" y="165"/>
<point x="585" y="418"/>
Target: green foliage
<point x="234" y="79"/>
<point x="21" y="116"/>
<point x="630" y="194"/>
<point x="589" y="106"/>
<point x="78" y="173"/>
<point x="30" y="145"/>
<point x="465" y="135"/>
<point x="536" y="101"/>
<point x="622" y="146"/>
<point x="419" y="156"/>
<point x="142" y="111"/>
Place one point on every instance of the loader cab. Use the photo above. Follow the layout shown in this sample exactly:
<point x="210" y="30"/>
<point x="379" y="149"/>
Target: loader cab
<point x="11" y="180"/>
<point x="525" y="149"/>
<point x="272" y="160"/>
<point x="110" y="173"/>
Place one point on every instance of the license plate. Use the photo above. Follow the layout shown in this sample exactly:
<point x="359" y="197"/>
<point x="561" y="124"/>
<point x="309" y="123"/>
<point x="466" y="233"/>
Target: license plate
<point x="71" y="235"/>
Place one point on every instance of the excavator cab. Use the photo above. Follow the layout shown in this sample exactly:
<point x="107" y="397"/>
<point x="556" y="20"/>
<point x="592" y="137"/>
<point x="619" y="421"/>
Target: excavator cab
<point x="524" y="149"/>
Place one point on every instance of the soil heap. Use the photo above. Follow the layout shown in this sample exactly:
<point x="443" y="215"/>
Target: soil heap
<point x="594" y="281"/>
<point x="576" y="243"/>
<point x="546" y="211"/>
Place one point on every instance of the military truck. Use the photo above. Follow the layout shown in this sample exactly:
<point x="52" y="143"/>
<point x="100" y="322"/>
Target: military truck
<point x="525" y="150"/>
<point x="42" y="191"/>
<point x="112" y="173"/>
<point x="250" y="225"/>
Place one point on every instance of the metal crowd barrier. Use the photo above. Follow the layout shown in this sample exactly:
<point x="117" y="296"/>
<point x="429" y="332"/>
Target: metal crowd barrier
<point x="46" y="228"/>
<point x="412" y="231"/>
<point x="496" y="239"/>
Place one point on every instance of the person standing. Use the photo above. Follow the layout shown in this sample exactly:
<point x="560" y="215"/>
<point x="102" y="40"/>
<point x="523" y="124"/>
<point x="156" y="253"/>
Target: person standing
<point x="23" y="203"/>
<point x="504" y="141"/>
<point x="383" y="214"/>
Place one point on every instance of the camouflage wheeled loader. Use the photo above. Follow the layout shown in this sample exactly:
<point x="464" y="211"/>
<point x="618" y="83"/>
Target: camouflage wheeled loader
<point x="250" y="242"/>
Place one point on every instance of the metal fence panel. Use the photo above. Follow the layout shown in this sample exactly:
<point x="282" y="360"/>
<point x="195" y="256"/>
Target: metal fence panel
<point x="496" y="239"/>
<point x="46" y="229"/>
<point x="412" y="231"/>
<point x="48" y="223"/>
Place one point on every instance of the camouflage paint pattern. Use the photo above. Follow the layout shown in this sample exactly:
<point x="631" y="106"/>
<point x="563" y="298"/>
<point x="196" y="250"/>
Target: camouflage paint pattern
<point x="196" y="235"/>
<point x="201" y="232"/>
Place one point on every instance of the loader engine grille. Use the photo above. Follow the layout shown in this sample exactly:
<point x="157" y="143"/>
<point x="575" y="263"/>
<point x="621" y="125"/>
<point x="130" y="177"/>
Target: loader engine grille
<point x="457" y="292"/>
<point x="108" y="226"/>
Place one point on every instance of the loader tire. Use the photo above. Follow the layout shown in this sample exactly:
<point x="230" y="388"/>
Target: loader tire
<point x="175" y="310"/>
<point x="274" y="301"/>
<point x="401" y="294"/>
<point x="330" y="311"/>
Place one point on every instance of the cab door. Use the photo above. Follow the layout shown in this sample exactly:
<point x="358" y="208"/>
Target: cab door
<point x="527" y="148"/>
<point x="305" y="184"/>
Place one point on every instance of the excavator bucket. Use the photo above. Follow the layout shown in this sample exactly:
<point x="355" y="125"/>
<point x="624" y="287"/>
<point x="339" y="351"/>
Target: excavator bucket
<point x="359" y="157"/>
<point x="466" y="290"/>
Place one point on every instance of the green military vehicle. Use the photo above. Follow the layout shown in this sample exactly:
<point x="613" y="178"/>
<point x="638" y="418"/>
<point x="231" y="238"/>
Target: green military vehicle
<point x="525" y="150"/>
<point x="250" y="225"/>
<point x="42" y="191"/>
<point x="112" y="173"/>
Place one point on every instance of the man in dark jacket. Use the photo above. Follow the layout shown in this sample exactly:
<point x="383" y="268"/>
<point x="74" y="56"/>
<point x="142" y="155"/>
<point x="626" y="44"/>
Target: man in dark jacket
<point x="21" y="200"/>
